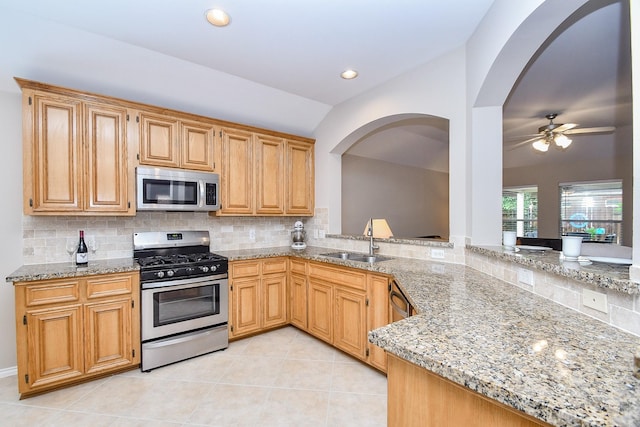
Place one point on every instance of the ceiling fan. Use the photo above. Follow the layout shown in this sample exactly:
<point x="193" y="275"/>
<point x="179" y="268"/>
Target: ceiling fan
<point x="556" y="134"/>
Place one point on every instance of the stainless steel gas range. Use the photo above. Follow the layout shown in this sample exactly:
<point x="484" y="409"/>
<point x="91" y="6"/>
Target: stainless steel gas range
<point x="184" y="302"/>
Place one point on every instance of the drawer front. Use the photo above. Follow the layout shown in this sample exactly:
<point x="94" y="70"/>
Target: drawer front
<point x="52" y="293"/>
<point x="274" y="265"/>
<point x="298" y="266"/>
<point x="103" y="286"/>
<point x="244" y="269"/>
<point x="343" y="276"/>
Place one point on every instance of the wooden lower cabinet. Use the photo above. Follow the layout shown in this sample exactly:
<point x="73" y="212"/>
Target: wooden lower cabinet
<point x="343" y="305"/>
<point x="378" y="315"/>
<point x="68" y="330"/>
<point x="257" y="295"/>
<point x="417" y="397"/>
<point x="350" y="328"/>
<point x="298" y="300"/>
<point x="320" y="310"/>
<point x="338" y="305"/>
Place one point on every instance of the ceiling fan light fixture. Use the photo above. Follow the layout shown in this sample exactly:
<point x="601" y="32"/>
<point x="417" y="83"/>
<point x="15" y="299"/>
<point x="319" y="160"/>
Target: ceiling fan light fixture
<point x="217" y="17"/>
<point x="562" y="141"/>
<point x="540" y="145"/>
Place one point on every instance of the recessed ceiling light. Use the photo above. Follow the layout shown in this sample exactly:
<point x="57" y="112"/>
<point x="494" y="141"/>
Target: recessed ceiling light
<point x="349" y="74"/>
<point x="218" y="17"/>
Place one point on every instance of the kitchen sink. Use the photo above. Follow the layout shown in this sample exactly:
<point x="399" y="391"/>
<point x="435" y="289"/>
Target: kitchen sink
<point x="354" y="256"/>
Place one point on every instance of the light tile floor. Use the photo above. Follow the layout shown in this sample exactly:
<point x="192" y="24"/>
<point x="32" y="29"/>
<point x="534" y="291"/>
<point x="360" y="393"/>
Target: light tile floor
<point x="281" y="378"/>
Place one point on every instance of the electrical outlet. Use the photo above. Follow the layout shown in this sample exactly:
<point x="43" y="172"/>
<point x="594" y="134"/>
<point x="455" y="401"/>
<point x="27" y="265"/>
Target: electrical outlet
<point x="322" y="234"/>
<point x="315" y="233"/>
<point x="595" y="300"/>
<point x="525" y="276"/>
<point x="252" y="234"/>
<point x="437" y="253"/>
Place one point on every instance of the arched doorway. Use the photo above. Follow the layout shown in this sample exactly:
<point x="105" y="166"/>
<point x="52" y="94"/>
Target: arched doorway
<point x="399" y="171"/>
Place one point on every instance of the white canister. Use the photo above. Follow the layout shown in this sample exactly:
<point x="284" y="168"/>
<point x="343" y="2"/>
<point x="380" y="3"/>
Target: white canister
<point x="571" y="247"/>
<point x="509" y="239"/>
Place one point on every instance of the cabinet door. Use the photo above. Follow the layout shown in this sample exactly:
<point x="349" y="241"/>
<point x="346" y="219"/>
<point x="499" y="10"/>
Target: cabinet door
<point x="197" y="143"/>
<point x="107" y="330"/>
<point x="54" y="347"/>
<point x="298" y="301"/>
<point x="377" y="316"/>
<point x="274" y="300"/>
<point x="350" y="329"/>
<point x="269" y="175"/>
<point x="236" y="180"/>
<point x="320" y="309"/>
<point x="159" y="141"/>
<point x="299" y="179"/>
<point x="52" y="154"/>
<point x="245" y="312"/>
<point x="106" y="159"/>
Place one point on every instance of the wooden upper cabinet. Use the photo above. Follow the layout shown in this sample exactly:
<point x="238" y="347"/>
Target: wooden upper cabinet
<point x="300" y="178"/>
<point x="159" y="141"/>
<point x="266" y="175"/>
<point x="197" y="140"/>
<point x="106" y="162"/>
<point x="175" y="143"/>
<point x="270" y="181"/>
<point x="52" y="153"/>
<point x="75" y="158"/>
<point x="236" y="180"/>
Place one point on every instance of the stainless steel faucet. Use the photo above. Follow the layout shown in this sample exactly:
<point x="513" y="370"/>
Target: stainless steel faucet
<point x="372" y="247"/>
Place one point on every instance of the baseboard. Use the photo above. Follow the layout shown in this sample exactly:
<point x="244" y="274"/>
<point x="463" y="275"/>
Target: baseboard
<point x="7" y="372"/>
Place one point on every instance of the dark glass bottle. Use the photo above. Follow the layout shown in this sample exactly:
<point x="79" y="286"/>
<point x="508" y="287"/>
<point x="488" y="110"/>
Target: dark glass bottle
<point x="82" y="254"/>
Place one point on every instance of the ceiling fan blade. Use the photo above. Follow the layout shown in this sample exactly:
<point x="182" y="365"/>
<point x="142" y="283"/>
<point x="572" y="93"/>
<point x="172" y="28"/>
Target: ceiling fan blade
<point x="521" y="143"/>
<point x="602" y="129"/>
<point x="519" y="137"/>
<point x="565" y="127"/>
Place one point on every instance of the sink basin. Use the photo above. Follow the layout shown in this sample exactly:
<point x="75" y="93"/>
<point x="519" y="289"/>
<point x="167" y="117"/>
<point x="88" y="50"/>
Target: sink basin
<point x="353" y="256"/>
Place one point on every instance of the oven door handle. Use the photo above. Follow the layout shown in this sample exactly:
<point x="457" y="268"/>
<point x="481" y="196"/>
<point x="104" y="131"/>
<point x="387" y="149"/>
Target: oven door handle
<point x="179" y="340"/>
<point x="216" y="278"/>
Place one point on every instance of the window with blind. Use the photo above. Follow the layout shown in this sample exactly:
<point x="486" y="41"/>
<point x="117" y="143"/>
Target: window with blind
<point x="592" y="210"/>
<point x="520" y="210"/>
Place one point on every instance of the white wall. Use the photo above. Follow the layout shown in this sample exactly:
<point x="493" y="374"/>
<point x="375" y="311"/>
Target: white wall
<point x="414" y="201"/>
<point x="11" y="217"/>
<point x="437" y="89"/>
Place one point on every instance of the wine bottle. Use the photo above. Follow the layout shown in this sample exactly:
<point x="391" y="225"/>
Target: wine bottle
<point x="82" y="254"/>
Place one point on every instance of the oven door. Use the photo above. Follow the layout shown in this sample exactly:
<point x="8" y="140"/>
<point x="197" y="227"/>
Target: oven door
<point x="178" y="306"/>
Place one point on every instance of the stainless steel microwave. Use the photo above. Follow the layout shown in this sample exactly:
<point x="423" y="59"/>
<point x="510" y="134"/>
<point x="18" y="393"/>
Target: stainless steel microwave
<point x="163" y="189"/>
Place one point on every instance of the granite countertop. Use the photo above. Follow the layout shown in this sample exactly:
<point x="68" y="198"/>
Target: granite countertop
<point x="33" y="272"/>
<point x="501" y="341"/>
<point x="610" y="276"/>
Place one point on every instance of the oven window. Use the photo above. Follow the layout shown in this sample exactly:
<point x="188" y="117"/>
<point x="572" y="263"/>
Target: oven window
<point x="164" y="191"/>
<point x="185" y="304"/>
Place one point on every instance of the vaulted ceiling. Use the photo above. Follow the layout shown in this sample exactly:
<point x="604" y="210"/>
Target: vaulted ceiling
<point x="289" y="56"/>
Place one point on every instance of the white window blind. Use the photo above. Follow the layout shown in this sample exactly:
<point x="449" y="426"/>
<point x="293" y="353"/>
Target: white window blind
<point x="520" y="210"/>
<point x="592" y="210"/>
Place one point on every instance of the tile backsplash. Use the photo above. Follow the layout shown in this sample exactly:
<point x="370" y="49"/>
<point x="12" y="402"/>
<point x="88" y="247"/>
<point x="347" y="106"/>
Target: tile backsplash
<point x="44" y="238"/>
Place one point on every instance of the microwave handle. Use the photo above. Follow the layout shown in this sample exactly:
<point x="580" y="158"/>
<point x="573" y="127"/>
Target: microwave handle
<point x="202" y="199"/>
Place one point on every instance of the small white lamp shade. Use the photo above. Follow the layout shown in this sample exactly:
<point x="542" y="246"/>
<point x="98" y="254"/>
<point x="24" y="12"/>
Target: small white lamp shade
<point x="541" y="145"/>
<point x="381" y="229"/>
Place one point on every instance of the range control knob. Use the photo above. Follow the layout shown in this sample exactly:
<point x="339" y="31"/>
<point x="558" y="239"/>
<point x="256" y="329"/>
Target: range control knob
<point x="214" y="267"/>
<point x="189" y="270"/>
<point x="160" y="274"/>
<point x="170" y="273"/>
<point x="204" y="268"/>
